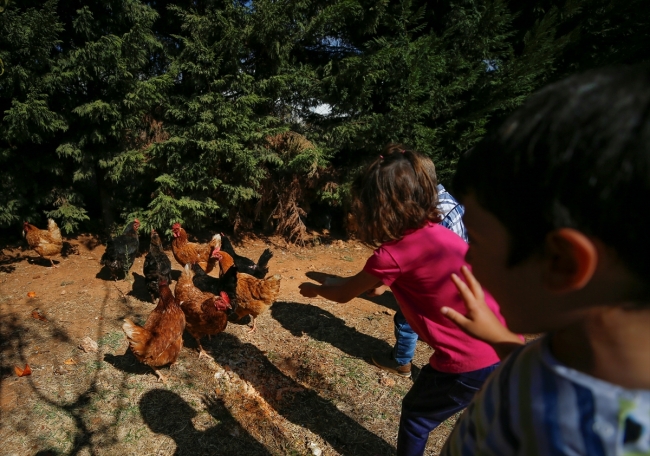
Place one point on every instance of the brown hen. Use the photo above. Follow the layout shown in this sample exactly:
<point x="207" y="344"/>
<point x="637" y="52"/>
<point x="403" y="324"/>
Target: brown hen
<point x="159" y="342"/>
<point x="47" y="243"/>
<point x="187" y="252"/>
<point x="252" y="296"/>
<point x="205" y="313"/>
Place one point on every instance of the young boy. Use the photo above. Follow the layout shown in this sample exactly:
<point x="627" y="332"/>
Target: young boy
<point x="558" y="232"/>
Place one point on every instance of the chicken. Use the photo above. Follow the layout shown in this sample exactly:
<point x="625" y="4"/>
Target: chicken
<point x="207" y="283"/>
<point x="122" y="250"/>
<point x="191" y="252"/>
<point x="259" y="269"/>
<point x="205" y="313"/>
<point x="47" y="243"/>
<point x="159" y="342"/>
<point x="252" y="295"/>
<point x="156" y="266"/>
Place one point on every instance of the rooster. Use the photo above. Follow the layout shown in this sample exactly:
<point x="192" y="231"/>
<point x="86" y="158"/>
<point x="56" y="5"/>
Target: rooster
<point x="122" y="250"/>
<point x="205" y="313"/>
<point x="246" y="265"/>
<point x="159" y="342"/>
<point x="47" y="243"/>
<point x="252" y="296"/>
<point x="191" y="252"/>
<point x="156" y="266"/>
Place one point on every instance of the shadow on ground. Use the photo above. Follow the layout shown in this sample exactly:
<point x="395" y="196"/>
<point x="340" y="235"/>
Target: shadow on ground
<point x="167" y="413"/>
<point x="139" y="288"/>
<point x="321" y="325"/>
<point x="300" y="405"/>
<point x="7" y="262"/>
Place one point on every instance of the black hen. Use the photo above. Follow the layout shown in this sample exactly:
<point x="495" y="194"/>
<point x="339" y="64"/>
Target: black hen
<point x="122" y="250"/>
<point x="157" y="266"/>
<point x="257" y="270"/>
<point x="227" y="283"/>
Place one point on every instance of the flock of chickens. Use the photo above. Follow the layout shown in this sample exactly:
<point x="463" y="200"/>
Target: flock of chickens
<point x="200" y="303"/>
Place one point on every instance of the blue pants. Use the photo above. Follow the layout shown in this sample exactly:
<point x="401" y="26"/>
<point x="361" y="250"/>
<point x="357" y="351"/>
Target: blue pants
<point x="434" y="397"/>
<point x="405" y="340"/>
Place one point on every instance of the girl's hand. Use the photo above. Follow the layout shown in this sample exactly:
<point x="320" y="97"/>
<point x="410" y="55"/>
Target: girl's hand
<point x="480" y="322"/>
<point x="309" y="290"/>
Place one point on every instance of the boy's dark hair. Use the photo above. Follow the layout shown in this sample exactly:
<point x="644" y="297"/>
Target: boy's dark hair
<point x="576" y="154"/>
<point x="395" y="193"/>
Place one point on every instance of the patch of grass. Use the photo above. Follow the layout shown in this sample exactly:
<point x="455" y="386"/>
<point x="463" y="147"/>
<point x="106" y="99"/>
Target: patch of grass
<point x="111" y="340"/>
<point x="129" y="412"/>
<point x="353" y="372"/>
<point x="92" y="366"/>
<point x="67" y="282"/>
<point x="46" y="411"/>
<point x="450" y="422"/>
<point x="134" y="435"/>
<point x="347" y="258"/>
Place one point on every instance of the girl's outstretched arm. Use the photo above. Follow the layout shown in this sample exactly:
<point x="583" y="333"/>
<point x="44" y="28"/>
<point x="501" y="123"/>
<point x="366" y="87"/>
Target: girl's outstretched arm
<point x="480" y="322"/>
<point x="342" y="290"/>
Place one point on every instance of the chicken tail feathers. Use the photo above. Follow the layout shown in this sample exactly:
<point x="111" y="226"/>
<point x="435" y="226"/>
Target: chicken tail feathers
<point x="136" y="335"/>
<point x="54" y="230"/>
<point x="263" y="262"/>
<point x="187" y="271"/>
<point x="274" y="284"/>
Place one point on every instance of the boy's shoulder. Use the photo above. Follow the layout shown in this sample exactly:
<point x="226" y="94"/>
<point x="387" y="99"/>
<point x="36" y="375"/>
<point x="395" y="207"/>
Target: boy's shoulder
<point x="533" y="405"/>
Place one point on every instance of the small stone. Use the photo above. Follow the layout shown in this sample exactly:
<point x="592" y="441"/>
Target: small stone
<point x="315" y="449"/>
<point x="88" y="345"/>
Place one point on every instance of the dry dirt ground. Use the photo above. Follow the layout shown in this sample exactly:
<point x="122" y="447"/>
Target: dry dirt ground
<point x="302" y="384"/>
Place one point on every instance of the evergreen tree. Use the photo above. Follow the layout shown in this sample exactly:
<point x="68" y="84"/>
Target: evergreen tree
<point x="109" y="89"/>
<point x="29" y="35"/>
<point x="431" y="76"/>
<point x="237" y="88"/>
<point x="203" y="111"/>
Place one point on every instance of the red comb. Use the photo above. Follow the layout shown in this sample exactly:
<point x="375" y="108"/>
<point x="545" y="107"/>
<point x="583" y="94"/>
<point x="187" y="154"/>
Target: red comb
<point x="176" y="225"/>
<point x="225" y="297"/>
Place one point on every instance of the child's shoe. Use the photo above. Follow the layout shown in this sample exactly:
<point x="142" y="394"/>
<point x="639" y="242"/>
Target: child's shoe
<point x="388" y="363"/>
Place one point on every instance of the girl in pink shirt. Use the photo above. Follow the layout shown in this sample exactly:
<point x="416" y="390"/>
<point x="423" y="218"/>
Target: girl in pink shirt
<point x="395" y="202"/>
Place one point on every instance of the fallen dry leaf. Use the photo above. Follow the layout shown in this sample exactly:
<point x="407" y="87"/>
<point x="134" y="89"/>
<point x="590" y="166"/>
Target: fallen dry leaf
<point x="386" y="381"/>
<point x="69" y="361"/>
<point x="23" y="372"/>
<point x="31" y="294"/>
<point x="38" y="316"/>
<point x="88" y="345"/>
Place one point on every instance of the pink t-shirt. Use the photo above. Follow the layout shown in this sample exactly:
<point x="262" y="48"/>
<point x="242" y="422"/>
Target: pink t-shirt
<point x="418" y="270"/>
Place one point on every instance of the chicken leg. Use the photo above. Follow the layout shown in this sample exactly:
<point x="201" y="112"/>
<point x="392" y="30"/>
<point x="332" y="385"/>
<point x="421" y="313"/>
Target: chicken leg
<point x="161" y="377"/>
<point x="202" y="352"/>
<point x="253" y="329"/>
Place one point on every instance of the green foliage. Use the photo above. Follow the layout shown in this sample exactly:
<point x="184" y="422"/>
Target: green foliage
<point x="202" y="112"/>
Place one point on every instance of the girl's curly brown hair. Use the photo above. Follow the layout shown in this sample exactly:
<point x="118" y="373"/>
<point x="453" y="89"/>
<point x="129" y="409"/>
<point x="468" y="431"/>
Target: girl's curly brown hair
<point x="395" y="193"/>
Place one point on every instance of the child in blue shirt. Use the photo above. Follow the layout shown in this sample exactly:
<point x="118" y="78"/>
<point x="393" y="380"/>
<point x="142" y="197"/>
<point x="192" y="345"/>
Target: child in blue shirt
<point x="555" y="209"/>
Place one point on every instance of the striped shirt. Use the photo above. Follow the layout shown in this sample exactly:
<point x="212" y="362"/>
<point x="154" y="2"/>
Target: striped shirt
<point x="452" y="212"/>
<point x="535" y="406"/>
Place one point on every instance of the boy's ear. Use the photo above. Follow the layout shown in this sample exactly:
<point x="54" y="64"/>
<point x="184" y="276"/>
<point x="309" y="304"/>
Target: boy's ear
<point x="570" y="261"/>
